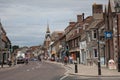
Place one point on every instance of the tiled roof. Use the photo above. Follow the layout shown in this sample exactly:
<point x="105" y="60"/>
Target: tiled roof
<point x="86" y="20"/>
<point x="4" y="38"/>
<point x="71" y="25"/>
<point x="2" y="28"/>
<point x="74" y="36"/>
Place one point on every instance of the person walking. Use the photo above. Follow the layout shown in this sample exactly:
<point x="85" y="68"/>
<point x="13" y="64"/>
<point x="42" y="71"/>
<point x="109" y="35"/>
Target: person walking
<point x="26" y="60"/>
<point x="65" y="60"/>
<point x="70" y="59"/>
<point x="9" y="62"/>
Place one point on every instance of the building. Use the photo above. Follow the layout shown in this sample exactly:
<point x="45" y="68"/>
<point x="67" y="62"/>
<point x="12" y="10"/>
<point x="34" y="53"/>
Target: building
<point x="47" y="42"/>
<point x="84" y="54"/>
<point x="54" y="47"/>
<point x="112" y="18"/>
<point x="92" y="34"/>
<point x="5" y="45"/>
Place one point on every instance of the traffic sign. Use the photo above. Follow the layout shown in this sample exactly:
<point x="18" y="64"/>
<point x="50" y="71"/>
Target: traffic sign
<point x="108" y="34"/>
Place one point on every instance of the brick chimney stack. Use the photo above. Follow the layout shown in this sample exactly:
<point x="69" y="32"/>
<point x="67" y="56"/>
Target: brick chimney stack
<point x="80" y="18"/>
<point x="97" y="11"/>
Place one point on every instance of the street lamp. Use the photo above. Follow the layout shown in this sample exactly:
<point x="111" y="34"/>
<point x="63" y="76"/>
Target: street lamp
<point x="98" y="42"/>
<point x="99" y="64"/>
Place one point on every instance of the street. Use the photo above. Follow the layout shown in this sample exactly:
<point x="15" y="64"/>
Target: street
<point x="34" y="71"/>
<point x="45" y="70"/>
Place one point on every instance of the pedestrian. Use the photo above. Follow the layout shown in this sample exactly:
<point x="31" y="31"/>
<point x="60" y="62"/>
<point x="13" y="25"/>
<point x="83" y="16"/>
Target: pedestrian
<point x="9" y="62"/>
<point x="39" y="58"/>
<point x="65" y="60"/>
<point x="71" y="59"/>
<point x="26" y="60"/>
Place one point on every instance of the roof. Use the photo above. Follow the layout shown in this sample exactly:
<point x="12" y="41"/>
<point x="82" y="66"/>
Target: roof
<point x="3" y="31"/>
<point x="112" y="4"/>
<point x="4" y="38"/>
<point x="93" y="24"/>
<point x="76" y="35"/>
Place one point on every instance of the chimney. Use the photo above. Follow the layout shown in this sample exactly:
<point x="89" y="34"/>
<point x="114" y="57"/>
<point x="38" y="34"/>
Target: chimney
<point x="97" y="11"/>
<point x="80" y="18"/>
<point x="83" y="17"/>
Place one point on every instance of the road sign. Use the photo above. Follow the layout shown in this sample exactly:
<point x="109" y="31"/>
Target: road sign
<point x="108" y="34"/>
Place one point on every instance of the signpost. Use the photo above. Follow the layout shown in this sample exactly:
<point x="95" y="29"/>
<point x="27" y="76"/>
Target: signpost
<point x="108" y="34"/>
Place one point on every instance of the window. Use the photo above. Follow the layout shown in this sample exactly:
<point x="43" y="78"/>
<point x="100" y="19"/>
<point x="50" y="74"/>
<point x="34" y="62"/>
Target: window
<point x="78" y="30"/>
<point x="88" y="37"/>
<point x="95" y="53"/>
<point x="94" y="34"/>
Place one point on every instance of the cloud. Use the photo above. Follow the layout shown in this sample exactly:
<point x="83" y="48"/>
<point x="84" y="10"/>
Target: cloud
<point x="25" y="21"/>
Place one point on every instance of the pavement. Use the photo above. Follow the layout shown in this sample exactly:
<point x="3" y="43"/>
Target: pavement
<point x="92" y="71"/>
<point x="89" y="71"/>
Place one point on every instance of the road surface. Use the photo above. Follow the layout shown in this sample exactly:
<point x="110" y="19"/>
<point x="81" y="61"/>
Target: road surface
<point x="34" y="71"/>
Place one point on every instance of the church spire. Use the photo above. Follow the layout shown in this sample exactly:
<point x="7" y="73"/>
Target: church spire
<point x="48" y="30"/>
<point x="109" y="6"/>
<point x="105" y="10"/>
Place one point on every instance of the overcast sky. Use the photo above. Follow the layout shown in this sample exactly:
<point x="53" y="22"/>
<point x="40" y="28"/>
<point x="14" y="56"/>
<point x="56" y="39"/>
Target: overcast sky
<point x="25" y="21"/>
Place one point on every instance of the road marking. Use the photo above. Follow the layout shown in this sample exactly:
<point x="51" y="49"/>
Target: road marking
<point x="64" y="77"/>
<point x="66" y="73"/>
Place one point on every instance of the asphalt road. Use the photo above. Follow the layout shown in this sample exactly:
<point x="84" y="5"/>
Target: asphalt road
<point x="44" y="71"/>
<point x="34" y="71"/>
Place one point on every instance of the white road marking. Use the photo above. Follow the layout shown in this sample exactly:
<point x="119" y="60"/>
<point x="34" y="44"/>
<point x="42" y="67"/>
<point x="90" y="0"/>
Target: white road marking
<point x="64" y="77"/>
<point x="66" y="74"/>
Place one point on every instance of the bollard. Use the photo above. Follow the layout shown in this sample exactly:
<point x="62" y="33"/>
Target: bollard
<point x="76" y="69"/>
<point x="118" y="64"/>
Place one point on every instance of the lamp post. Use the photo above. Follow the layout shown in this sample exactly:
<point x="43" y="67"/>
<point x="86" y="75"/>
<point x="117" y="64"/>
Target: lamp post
<point x="98" y="43"/>
<point x="99" y="64"/>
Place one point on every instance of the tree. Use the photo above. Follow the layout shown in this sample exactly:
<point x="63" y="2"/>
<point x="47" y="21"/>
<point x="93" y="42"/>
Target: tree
<point x="15" y="47"/>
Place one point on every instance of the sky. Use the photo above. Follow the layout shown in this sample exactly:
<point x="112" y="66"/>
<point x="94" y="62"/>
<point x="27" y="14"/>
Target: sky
<point x="25" y="21"/>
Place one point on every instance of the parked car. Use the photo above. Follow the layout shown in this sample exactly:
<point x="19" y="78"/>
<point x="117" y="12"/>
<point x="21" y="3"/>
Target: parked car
<point x="52" y="59"/>
<point x="20" y="59"/>
<point x="33" y="59"/>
